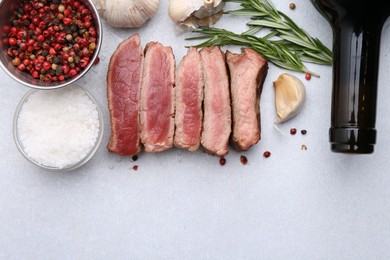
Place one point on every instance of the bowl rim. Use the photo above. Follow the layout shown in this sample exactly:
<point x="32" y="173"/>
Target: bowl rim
<point x="99" y="41"/>
<point x="67" y="168"/>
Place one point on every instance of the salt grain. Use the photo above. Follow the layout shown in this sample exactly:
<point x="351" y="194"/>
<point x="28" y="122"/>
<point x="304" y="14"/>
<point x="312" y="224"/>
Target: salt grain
<point x="58" y="128"/>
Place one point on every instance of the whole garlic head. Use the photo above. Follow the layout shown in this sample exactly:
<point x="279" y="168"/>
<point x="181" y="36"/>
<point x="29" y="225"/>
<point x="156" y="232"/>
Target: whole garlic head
<point x="195" y="13"/>
<point x="127" y="13"/>
<point x="290" y="95"/>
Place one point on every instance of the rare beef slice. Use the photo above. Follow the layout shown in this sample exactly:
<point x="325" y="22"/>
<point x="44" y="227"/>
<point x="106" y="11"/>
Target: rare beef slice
<point x="157" y="98"/>
<point x="248" y="71"/>
<point x="123" y="94"/>
<point x="188" y="100"/>
<point x="217" y="111"/>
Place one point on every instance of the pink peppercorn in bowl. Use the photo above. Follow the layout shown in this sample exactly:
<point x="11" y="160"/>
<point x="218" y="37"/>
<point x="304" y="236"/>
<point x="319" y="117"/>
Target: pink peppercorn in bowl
<point x="48" y="44"/>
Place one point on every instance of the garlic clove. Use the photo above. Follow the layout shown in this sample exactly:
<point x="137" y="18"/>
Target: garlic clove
<point x="195" y="13"/>
<point x="290" y="95"/>
<point x="126" y="13"/>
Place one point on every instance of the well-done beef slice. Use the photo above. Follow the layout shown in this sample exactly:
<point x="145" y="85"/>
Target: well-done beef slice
<point x="123" y="93"/>
<point x="157" y="98"/>
<point x="217" y="111"/>
<point x="248" y="71"/>
<point x="188" y="100"/>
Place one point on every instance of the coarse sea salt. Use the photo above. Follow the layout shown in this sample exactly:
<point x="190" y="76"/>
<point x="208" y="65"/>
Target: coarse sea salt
<point x="58" y="128"/>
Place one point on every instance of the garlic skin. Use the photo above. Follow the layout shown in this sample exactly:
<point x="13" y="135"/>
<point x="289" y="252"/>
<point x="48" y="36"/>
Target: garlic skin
<point x="290" y="95"/>
<point x="195" y="13"/>
<point x="126" y="13"/>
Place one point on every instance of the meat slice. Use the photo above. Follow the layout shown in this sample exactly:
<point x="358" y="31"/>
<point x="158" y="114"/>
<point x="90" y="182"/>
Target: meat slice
<point x="217" y="111"/>
<point x="123" y="93"/>
<point x="188" y="100"/>
<point x="247" y="74"/>
<point x="157" y="98"/>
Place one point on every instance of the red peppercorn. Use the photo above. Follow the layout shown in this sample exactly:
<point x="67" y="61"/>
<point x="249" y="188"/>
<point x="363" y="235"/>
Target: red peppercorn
<point x="40" y="38"/>
<point x="66" y="20"/>
<point x="85" y="51"/>
<point x="41" y="59"/>
<point x="84" y="12"/>
<point x="135" y="167"/>
<point x="308" y="76"/>
<point x="38" y="66"/>
<point x="267" y="154"/>
<point x="21" y="34"/>
<point x="72" y="73"/>
<point x="30" y="42"/>
<point x="52" y="51"/>
<point x="36" y="46"/>
<point x="30" y="49"/>
<point x="92" y="31"/>
<point x="67" y="12"/>
<point x="222" y="161"/>
<point x="84" y="62"/>
<point x="21" y="66"/>
<point x="65" y="69"/>
<point x="57" y="47"/>
<point x="243" y="159"/>
<point x="26" y="62"/>
<point x="97" y="60"/>
<point x="23" y="46"/>
<point x="293" y="131"/>
<point x="83" y="42"/>
<point x="46" y="65"/>
<point x="12" y="41"/>
<point x="13" y="30"/>
<point x="35" y="74"/>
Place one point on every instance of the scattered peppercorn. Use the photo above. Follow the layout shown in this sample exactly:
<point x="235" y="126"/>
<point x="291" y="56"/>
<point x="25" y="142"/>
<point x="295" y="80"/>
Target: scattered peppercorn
<point x="292" y="6"/>
<point x="293" y="131"/>
<point x="134" y="158"/>
<point x="308" y="76"/>
<point x="97" y="60"/>
<point x="243" y="159"/>
<point x="303" y="147"/>
<point x="222" y="161"/>
<point x="267" y="154"/>
<point x="303" y="132"/>
<point x="135" y="167"/>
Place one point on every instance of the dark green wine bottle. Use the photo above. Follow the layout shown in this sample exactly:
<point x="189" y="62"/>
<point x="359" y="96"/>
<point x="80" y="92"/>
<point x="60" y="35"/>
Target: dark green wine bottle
<point x="357" y="27"/>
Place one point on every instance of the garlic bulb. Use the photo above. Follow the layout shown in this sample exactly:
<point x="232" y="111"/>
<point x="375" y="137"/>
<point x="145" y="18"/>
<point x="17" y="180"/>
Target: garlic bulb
<point x="290" y="95"/>
<point x="194" y="13"/>
<point x="127" y="13"/>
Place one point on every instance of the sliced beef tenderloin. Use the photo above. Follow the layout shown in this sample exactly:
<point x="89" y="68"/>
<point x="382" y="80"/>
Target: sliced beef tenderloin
<point x="217" y="111"/>
<point x="188" y="100"/>
<point x="247" y="74"/>
<point x="123" y="94"/>
<point x="157" y="98"/>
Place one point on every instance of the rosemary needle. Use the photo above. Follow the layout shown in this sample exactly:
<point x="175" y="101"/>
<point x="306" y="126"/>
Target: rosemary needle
<point x="287" y="45"/>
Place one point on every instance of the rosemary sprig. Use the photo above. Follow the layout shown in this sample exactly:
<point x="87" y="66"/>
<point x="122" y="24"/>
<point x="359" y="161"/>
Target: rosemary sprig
<point x="274" y="52"/>
<point x="287" y="45"/>
<point x="264" y="14"/>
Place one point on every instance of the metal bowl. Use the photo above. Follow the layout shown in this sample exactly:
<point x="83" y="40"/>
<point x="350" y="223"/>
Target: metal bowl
<point x="25" y="78"/>
<point x="70" y="167"/>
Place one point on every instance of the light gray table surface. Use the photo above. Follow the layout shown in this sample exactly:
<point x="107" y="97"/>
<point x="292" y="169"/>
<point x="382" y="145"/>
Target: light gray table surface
<point x="311" y="204"/>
